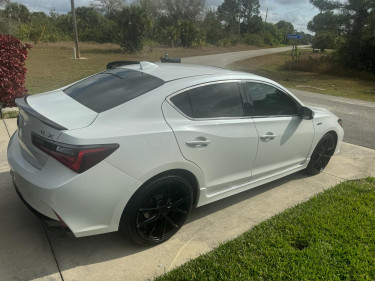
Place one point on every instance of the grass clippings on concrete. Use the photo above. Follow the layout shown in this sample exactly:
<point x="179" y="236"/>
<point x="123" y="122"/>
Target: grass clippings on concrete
<point x="329" y="237"/>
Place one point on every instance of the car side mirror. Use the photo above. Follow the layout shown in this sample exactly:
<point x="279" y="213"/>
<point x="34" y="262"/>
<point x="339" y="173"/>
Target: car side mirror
<point x="307" y="113"/>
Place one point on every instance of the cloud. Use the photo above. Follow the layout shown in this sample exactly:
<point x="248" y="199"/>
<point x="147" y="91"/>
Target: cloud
<point x="292" y="2"/>
<point x="47" y="5"/>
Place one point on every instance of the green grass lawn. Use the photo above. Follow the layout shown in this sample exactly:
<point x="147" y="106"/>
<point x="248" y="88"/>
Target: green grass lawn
<point x="51" y="65"/>
<point x="317" y="76"/>
<point x="329" y="237"/>
<point x="10" y="114"/>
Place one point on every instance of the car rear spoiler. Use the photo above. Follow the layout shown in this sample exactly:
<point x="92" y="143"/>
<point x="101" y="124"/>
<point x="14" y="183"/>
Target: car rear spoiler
<point x="114" y="64"/>
<point x="118" y="63"/>
<point x="22" y="104"/>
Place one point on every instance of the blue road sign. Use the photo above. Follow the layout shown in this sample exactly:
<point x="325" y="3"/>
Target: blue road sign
<point x="294" y="36"/>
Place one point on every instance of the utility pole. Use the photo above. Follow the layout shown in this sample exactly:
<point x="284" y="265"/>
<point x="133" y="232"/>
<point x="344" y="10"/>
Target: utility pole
<point x="75" y="28"/>
<point x="265" y="22"/>
<point x="239" y="17"/>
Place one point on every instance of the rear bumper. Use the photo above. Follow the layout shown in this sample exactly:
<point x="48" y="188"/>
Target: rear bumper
<point x="88" y="203"/>
<point x="50" y="223"/>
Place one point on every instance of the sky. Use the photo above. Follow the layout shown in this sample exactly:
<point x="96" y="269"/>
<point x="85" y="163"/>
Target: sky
<point x="298" y="12"/>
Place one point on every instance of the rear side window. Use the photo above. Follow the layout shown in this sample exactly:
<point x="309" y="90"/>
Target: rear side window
<point x="108" y="89"/>
<point x="211" y="101"/>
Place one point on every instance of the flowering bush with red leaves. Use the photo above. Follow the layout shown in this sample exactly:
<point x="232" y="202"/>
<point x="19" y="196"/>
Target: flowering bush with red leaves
<point x="12" y="69"/>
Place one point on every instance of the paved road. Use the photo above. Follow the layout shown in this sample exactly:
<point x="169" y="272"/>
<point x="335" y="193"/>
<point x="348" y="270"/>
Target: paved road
<point x="358" y="116"/>
<point x="223" y="60"/>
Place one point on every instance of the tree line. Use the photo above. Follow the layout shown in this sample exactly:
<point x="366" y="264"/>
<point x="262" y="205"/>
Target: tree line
<point x="349" y="27"/>
<point x="176" y="23"/>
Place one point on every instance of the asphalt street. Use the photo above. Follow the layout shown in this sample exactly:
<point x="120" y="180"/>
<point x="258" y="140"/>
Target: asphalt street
<point x="358" y="116"/>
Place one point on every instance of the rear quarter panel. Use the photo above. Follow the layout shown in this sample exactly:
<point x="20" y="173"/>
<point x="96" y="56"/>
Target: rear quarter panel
<point x="147" y="144"/>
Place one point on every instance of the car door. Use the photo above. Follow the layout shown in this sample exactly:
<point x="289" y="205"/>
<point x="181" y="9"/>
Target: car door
<point x="213" y="131"/>
<point x="284" y="137"/>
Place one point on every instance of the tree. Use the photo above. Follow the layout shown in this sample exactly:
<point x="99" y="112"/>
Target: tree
<point x="34" y="31"/>
<point x="3" y="3"/>
<point x="12" y="71"/>
<point x="233" y="12"/>
<point x="272" y="35"/>
<point x="213" y="28"/>
<point x="356" y="17"/>
<point x="190" y="35"/>
<point x="17" y="12"/>
<point x="177" y="10"/>
<point x="6" y="27"/>
<point x="285" y="28"/>
<point x="151" y="7"/>
<point x="108" y="7"/>
<point x="326" y="21"/>
<point x="229" y="13"/>
<point x="133" y="24"/>
<point x="89" y="23"/>
<point x="324" y="40"/>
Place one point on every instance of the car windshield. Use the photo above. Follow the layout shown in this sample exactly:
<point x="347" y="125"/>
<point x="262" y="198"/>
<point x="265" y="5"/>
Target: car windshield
<point x="111" y="88"/>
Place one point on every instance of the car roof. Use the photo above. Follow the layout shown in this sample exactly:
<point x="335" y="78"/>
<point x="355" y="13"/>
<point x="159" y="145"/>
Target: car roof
<point x="173" y="71"/>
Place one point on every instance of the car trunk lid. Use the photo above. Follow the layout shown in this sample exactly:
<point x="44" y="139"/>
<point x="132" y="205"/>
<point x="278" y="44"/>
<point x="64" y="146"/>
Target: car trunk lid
<point x="47" y="115"/>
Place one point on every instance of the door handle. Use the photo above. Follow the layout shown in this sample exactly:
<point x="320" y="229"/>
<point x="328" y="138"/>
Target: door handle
<point x="199" y="142"/>
<point x="268" y="137"/>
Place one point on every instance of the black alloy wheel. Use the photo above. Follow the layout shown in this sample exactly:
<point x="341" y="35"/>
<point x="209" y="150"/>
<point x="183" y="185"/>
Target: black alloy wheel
<point x="321" y="155"/>
<point x="158" y="210"/>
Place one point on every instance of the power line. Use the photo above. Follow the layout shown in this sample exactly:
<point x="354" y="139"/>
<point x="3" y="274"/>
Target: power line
<point x="295" y="10"/>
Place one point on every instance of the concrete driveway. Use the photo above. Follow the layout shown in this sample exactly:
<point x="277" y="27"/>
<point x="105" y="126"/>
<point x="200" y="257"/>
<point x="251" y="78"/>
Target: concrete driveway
<point x="29" y="252"/>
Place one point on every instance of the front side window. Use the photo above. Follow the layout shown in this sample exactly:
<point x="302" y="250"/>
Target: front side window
<point x="269" y="101"/>
<point x="211" y="101"/>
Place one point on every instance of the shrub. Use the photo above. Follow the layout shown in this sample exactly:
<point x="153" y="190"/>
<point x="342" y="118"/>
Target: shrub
<point x="325" y="40"/>
<point x="190" y="35"/>
<point x="254" y="39"/>
<point x="367" y="55"/>
<point x="183" y="34"/>
<point x="12" y="68"/>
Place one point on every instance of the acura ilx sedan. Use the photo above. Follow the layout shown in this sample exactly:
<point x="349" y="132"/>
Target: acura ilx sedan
<point x="138" y="146"/>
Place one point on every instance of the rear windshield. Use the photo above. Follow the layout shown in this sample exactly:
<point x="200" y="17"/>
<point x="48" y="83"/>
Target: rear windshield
<point x="111" y="88"/>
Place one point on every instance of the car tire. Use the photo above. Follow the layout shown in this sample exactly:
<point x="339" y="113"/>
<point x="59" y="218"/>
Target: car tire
<point x="321" y="155"/>
<point x="157" y="210"/>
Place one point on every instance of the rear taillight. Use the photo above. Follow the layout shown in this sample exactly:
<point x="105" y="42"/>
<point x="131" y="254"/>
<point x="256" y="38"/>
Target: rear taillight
<point x="340" y="122"/>
<point x="79" y="158"/>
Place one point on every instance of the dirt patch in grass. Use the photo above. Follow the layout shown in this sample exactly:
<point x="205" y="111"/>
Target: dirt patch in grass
<point x="51" y="65"/>
<point x="314" y="72"/>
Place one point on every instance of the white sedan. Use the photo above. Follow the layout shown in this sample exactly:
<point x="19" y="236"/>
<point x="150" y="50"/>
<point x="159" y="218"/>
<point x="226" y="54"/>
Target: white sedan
<point x="136" y="147"/>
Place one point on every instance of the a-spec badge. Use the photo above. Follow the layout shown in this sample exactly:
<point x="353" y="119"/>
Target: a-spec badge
<point x="46" y="134"/>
